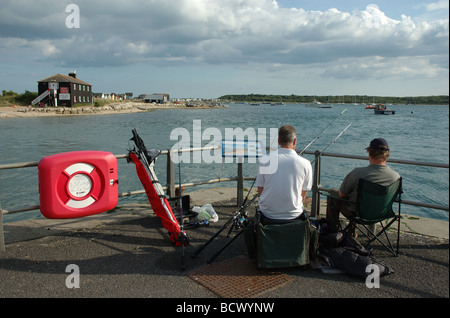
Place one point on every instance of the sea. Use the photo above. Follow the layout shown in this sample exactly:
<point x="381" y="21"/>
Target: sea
<point x="414" y="133"/>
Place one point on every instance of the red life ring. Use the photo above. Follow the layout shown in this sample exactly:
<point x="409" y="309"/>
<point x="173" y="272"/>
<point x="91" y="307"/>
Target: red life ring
<point x="77" y="184"/>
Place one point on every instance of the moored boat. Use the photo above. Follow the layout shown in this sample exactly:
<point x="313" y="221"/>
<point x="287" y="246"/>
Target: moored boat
<point x="318" y="104"/>
<point x="381" y="109"/>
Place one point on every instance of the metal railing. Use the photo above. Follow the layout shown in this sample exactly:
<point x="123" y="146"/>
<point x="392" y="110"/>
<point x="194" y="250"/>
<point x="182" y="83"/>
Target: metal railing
<point x="315" y="205"/>
<point x="239" y="179"/>
<point x="170" y="178"/>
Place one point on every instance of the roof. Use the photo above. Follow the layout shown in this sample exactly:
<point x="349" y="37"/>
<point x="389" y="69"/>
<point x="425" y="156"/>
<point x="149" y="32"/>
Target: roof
<point x="60" y="78"/>
<point x="154" y="96"/>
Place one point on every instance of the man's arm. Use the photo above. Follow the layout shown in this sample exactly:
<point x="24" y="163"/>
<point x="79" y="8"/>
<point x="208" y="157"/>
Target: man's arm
<point x="260" y="190"/>
<point x="344" y="196"/>
<point x="304" y="193"/>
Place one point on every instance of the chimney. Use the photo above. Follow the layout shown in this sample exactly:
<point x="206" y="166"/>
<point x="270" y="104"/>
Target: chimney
<point x="73" y="74"/>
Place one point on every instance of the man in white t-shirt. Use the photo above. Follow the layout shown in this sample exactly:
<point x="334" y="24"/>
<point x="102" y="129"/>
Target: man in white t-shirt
<point x="283" y="190"/>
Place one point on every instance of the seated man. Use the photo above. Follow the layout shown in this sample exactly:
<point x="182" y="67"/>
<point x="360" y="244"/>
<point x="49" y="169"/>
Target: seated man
<point x="377" y="172"/>
<point x="283" y="191"/>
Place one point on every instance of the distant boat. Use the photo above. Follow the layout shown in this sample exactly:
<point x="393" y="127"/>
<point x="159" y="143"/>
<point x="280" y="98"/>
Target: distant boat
<point x="317" y="104"/>
<point x="381" y="109"/>
<point x="314" y="103"/>
<point x="255" y="104"/>
<point x="278" y="104"/>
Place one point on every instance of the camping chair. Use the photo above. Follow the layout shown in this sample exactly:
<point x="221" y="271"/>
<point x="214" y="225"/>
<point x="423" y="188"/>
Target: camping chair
<point x="282" y="244"/>
<point x="374" y="204"/>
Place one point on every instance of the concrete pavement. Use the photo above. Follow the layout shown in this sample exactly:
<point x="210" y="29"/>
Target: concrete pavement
<point x="127" y="253"/>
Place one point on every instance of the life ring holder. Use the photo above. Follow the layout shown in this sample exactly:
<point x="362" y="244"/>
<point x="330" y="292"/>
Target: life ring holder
<point x="77" y="184"/>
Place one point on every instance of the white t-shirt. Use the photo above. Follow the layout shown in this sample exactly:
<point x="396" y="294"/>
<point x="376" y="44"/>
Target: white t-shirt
<point x="281" y="198"/>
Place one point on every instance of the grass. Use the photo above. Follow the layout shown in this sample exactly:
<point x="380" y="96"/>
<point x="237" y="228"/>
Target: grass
<point x="14" y="99"/>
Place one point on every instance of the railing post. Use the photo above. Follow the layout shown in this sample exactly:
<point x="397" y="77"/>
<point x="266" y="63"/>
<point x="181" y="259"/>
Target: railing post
<point x="240" y="183"/>
<point x="315" y="204"/>
<point x="170" y="178"/>
<point x="2" y="234"/>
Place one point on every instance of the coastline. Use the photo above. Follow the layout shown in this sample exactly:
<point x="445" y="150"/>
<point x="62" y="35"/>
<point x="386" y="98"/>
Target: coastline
<point x="114" y="108"/>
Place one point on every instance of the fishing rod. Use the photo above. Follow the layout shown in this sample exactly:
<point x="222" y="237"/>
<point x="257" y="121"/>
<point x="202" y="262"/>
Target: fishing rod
<point x="331" y="143"/>
<point x="180" y="211"/>
<point x="237" y="221"/>
<point x="240" y="222"/>
<point x="318" y="136"/>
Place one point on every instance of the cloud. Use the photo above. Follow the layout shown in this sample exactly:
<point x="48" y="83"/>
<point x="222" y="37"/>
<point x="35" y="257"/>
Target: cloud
<point x="232" y="32"/>
<point x="440" y="5"/>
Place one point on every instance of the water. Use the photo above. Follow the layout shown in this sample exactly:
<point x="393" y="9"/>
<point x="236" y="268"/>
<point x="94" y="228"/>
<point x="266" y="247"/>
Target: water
<point x="418" y="133"/>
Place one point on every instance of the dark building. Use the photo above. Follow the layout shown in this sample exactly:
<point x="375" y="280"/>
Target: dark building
<point x="63" y="90"/>
<point x="156" y="98"/>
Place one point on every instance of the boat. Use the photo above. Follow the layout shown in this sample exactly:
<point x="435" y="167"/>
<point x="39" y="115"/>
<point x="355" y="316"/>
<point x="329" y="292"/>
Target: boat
<point x="317" y="104"/>
<point x="381" y="109"/>
<point x="369" y="107"/>
<point x="255" y="104"/>
<point x="314" y="103"/>
<point x="278" y="104"/>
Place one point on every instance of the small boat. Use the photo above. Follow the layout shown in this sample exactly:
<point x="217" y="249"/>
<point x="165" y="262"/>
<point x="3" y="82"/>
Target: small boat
<point x="369" y="107"/>
<point x="278" y="104"/>
<point x="318" y="104"/>
<point x="381" y="109"/>
<point x="314" y="103"/>
<point x="255" y="104"/>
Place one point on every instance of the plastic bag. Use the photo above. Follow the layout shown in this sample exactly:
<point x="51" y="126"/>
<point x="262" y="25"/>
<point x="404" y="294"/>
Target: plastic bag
<point x="205" y="212"/>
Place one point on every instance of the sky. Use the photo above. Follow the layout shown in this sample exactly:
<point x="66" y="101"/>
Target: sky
<point x="210" y="48"/>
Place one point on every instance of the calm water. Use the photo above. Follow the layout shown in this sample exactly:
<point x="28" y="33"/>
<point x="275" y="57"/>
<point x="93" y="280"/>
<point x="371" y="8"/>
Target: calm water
<point x="414" y="133"/>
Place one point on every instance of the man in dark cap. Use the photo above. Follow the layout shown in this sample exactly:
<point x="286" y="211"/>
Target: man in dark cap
<point x="377" y="172"/>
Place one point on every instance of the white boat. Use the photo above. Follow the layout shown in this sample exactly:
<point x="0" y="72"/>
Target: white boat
<point x="317" y="104"/>
<point x="314" y="103"/>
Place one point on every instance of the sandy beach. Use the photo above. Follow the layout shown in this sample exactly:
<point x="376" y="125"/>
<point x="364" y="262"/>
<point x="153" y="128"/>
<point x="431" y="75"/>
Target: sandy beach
<point x="116" y="108"/>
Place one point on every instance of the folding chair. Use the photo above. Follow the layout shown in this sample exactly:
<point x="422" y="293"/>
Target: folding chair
<point x="374" y="204"/>
<point x="282" y="245"/>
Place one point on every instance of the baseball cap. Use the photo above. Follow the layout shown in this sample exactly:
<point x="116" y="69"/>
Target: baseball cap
<point x="379" y="143"/>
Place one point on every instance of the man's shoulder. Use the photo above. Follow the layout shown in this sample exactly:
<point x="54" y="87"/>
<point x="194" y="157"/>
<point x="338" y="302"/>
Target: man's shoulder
<point x="302" y="160"/>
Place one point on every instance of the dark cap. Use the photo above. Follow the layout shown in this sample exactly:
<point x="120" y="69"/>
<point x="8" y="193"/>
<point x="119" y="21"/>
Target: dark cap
<point x="379" y="143"/>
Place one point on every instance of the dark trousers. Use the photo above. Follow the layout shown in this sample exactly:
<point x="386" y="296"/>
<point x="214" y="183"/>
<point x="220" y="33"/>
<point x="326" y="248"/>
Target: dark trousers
<point x="334" y="207"/>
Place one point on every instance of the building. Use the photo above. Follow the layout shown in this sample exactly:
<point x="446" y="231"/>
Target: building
<point x="63" y="90"/>
<point x="156" y="98"/>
